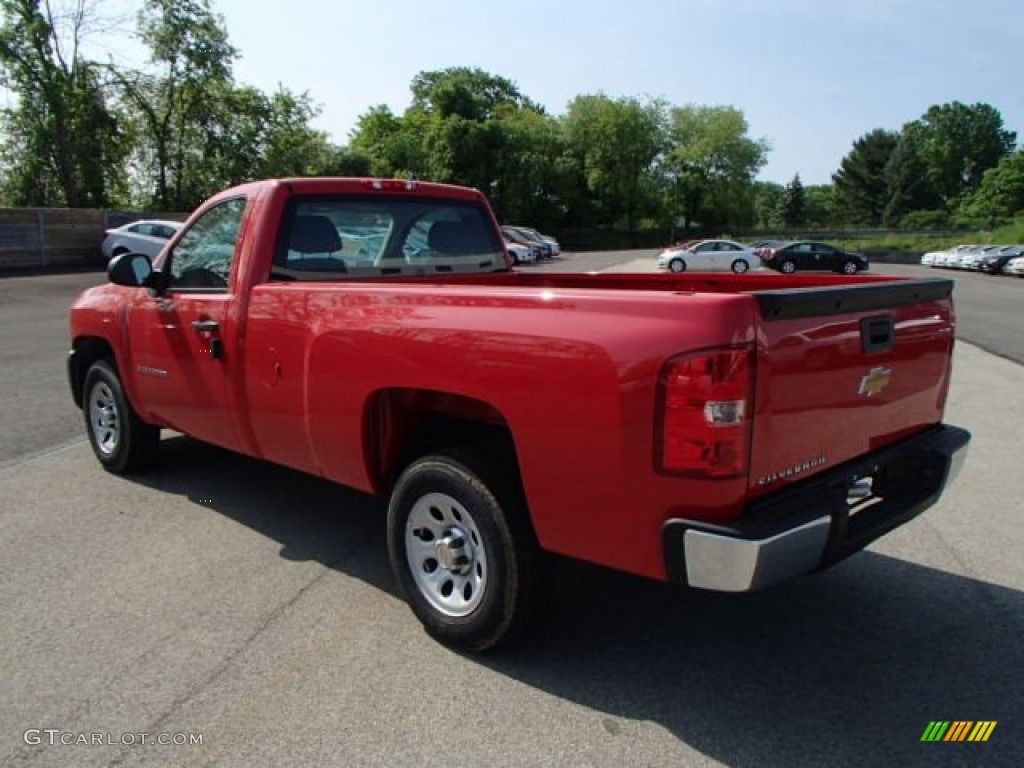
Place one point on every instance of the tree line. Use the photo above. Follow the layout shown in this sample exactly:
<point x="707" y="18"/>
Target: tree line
<point x="87" y="133"/>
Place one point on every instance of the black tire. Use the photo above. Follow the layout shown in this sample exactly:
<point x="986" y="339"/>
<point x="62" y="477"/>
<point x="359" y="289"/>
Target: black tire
<point x="488" y="544"/>
<point x="787" y="267"/>
<point x="740" y="266"/>
<point x="121" y="441"/>
<point x="677" y="265"/>
<point x="850" y="268"/>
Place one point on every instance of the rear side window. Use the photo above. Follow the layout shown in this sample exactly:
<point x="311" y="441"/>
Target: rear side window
<point x="349" y="236"/>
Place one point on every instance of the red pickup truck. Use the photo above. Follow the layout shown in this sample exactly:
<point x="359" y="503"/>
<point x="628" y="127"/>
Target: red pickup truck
<point x="722" y="432"/>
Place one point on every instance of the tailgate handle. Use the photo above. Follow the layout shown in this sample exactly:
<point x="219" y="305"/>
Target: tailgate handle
<point x="877" y="333"/>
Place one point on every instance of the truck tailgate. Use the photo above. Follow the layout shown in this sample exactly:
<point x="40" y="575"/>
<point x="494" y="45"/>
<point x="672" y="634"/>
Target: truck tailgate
<point x="845" y="370"/>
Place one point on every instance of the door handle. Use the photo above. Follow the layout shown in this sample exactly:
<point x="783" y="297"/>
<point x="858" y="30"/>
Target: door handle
<point x="208" y="326"/>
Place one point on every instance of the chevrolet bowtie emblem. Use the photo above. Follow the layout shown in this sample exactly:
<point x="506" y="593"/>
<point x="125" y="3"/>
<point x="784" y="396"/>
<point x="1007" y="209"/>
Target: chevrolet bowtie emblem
<point x="875" y="381"/>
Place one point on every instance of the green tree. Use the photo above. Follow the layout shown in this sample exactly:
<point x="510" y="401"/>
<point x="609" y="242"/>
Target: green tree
<point x="1000" y="196"/>
<point x="469" y="93"/>
<point x="861" y="184"/>
<point x="455" y="112"/>
<point x="177" y="105"/>
<point x="910" y="186"/>
<point x="254" y="135"/>
<point x="820" y="206"/>
<point x="614" y="144"/>
<point x="710" y="165"/>
<point x="767" y="204"/>
<point x="391" y="143"/>
<point x="530" y="184"/>
<point x="793" y="209"/>
<point x="62" y="142"/>
<point x="957" y="143"/>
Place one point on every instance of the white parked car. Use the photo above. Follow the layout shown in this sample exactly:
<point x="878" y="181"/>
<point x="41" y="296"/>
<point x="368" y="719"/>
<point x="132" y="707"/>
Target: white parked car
<point x="552" y="243"/>
<point x="520" y="253"/>
<point x="971" y="259"/>
<point x="710" y="256"/>
<point x="1015" y="267"/>
<point x="951" y="256"/>
<point x="147" y="236"/>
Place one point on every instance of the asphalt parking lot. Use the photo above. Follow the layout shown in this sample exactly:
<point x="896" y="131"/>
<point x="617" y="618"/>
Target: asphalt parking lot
<point x="220" y="596"/>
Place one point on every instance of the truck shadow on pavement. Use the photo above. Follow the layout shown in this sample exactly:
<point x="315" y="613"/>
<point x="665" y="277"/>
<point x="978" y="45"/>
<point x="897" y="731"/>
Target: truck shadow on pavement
<point x="845" y="667"/>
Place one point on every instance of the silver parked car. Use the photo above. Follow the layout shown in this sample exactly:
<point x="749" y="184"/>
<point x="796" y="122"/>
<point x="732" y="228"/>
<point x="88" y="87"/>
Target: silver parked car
<point x="147" y="236"/>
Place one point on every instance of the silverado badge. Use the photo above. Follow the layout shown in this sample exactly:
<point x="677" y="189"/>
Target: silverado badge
<point x="874" y="381"/>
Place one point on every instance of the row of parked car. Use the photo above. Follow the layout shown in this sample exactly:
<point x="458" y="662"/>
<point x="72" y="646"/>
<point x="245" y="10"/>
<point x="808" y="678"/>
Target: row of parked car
<point x="526" y="245"/>
<point x="785" y="256"/>
<point x="993" y="259"/>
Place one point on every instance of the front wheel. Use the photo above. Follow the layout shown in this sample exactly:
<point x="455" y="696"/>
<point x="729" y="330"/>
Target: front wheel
<point x="740" y="266"/>
<point x="850" y="268"/>
<point x="462" y="553"/>
<point x="677" y="265"/>
<point x="120" y="439"/>
<point x="787" y="267"/>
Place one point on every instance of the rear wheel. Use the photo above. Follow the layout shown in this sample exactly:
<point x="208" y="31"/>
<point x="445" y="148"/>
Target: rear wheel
<point x="120" y="439"/>
<point x="788" y="267"/>
<point x="463" y="552"/>
<point x="740" y="266"/>
<point x="677" y="265"/>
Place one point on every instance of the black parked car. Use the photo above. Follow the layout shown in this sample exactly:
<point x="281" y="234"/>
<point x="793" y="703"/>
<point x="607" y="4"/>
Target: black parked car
<point x="993" y="263"/>
<point x="789" y="257"/>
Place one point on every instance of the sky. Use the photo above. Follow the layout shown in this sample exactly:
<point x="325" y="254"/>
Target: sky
<point x="811" y="76"/>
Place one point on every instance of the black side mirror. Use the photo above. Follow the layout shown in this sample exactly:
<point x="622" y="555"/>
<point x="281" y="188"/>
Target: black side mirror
<point x="131" y="269"/>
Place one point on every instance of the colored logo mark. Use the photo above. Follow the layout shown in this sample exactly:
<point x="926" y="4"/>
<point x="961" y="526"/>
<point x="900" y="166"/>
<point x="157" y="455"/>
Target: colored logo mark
<point x="875" y="381"/>
<point x="959" y="730"/>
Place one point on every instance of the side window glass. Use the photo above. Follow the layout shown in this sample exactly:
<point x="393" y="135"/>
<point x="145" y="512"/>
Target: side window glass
<point x="705" y="247"/>
<point x="202" y="258"/>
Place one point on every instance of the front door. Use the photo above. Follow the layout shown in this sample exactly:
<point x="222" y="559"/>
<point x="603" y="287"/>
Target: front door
<point x="703" y="257"/>
<point x="828" y="257"/>
<point x="182" y="344"/>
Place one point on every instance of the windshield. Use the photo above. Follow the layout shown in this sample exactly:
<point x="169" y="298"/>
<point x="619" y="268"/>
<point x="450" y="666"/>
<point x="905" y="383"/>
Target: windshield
<point x="348" y="236"/>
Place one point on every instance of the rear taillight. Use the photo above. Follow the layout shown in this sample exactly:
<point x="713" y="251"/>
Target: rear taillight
<point x="769" y="253"/>
<point x="705" y="403"/>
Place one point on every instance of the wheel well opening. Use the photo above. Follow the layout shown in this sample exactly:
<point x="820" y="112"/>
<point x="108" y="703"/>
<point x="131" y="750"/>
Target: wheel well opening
<point x="404" y="424"/>
<point x="88" y="349"/>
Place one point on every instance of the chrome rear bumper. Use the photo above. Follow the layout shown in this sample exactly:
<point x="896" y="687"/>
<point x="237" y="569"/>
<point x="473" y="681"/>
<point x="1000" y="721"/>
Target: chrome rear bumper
<point x="818" y="522"/>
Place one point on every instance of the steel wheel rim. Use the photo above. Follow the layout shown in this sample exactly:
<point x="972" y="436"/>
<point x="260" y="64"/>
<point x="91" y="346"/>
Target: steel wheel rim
<point x="789" y="267"/>
<point x="740" y="267"/>
<point x="445" y="554"/>
<point x="104" y="418"/>
<point x="850" y="268"/>
<point x="676" y="265"/>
